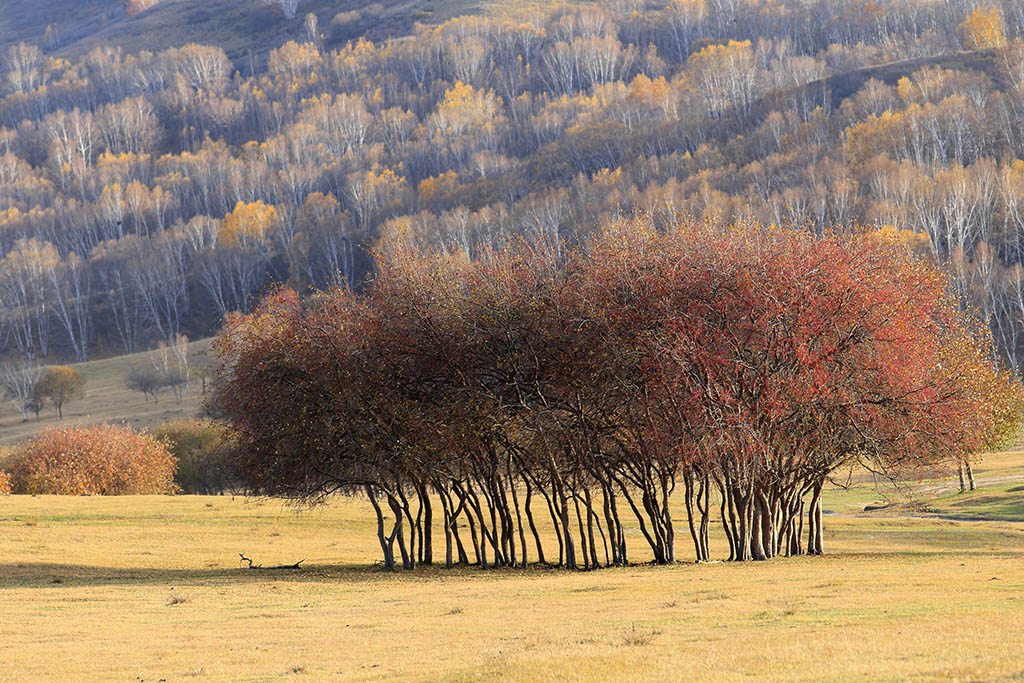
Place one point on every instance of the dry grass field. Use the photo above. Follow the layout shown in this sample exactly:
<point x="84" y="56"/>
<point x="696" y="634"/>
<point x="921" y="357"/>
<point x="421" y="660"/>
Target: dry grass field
<point x="107" y="399"/>
<point x="150" y="588"/>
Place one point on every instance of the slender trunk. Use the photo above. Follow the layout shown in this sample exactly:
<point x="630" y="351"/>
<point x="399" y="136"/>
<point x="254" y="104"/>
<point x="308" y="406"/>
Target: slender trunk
<point x="519" y="522"/>
<point x="408" y="561"/>
<point x="743" y="533"/>
<point x="426" y="532"/>
<point x="448" y="545"/>
<point x="756" y="528"/>
<point x="640" y="519"/>
<point x="705" y="517"/>
<point x="480" y="559"/>
<point x="583" y="534"/>
<point x="570" y="549"/>
<point x="767" y="530"/>
<point x="533" y="525"/>
<point x="970" y="476"/>
<point x="666" y="516"/>
<point x="613" y="532"/>
<point x="814" y="522"/>
<point x="726" y="503"/>
<point x="413" y="523"/>
<point x="591" y="516"/>
<point x="389" y="558"/>
<point x="797" y="547"/>
<point x="688" y="497"/>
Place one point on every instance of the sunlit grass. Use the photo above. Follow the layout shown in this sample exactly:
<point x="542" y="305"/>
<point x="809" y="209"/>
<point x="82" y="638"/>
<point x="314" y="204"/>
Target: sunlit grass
<point x="152" y="587"/>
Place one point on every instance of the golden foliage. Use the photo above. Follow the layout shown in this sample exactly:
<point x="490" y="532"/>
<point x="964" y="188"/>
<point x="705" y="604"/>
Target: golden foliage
<point x="249" y="222"/>
<point x="983" y="29"/>
<point x="916" y="243"/>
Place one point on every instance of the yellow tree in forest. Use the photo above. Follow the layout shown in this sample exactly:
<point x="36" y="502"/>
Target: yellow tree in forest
<point x="983" y="29"/>
<point x="249" y="222"/>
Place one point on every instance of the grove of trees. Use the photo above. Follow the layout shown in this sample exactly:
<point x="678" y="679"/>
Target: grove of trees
<point x="736" y="367"/>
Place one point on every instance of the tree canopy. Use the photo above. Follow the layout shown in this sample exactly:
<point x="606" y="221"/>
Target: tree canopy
<point x="752" y="360"/>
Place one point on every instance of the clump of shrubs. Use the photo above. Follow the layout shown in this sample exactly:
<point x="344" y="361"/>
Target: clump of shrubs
<point x="5" y="483"/>
<point x="99" y="460"/>
<point x="203" y="449"/>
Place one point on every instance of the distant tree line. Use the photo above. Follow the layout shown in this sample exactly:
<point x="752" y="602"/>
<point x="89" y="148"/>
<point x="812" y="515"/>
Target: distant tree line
<point x="143" y="196"/>
<point x="582" y="391"/>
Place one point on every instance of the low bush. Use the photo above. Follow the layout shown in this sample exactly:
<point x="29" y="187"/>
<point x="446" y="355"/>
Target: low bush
<point x="5" y="483"/>
<point x="203" y="451"/>
<point x="100" y="460"/>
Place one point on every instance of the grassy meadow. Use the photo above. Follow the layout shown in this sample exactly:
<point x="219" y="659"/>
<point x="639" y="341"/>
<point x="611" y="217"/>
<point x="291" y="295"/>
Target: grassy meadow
<point x="151" y="588"/>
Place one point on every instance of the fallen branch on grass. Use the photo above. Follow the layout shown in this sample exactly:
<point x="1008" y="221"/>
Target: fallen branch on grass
<point x="277" y="566"/>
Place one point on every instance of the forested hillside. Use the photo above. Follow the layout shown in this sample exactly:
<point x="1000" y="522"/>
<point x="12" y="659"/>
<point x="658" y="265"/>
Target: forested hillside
<point x="145" y="193"/>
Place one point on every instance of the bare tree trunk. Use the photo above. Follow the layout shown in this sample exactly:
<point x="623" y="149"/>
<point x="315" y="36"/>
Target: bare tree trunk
<point x="756" y="526"/>
<point x="814" y="545"/>
<point x="688" y="498"/>
<point x="448" y="546"/>
<point x="408" y="561"/>
<point x="533" y="525"/>
<point x="583" y="534"/>
<point x="519" y="522"/>
<point x="588" y="502"/>
<point x="570" y="549"/>
<point x="389" y="557"/>
<point x="426" y="531"/>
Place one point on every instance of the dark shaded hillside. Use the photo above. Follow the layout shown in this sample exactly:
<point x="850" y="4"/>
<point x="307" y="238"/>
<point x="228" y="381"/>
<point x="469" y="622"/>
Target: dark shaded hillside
<point x="240" y="27"/>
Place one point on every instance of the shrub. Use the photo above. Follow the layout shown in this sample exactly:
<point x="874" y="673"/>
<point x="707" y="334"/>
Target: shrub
<point x="5" y="483"/>
<point x="103" y="459"/>
<point x="203" y="451"/>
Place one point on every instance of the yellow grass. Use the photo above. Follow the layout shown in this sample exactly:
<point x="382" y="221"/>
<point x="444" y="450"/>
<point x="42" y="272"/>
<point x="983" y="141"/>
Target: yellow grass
<point x="107" y="399"/>
<point x="151" y="588"/>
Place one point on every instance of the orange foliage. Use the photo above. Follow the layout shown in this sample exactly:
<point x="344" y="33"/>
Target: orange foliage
<point x="100" y="460"/>
<point x="5" y="483"/>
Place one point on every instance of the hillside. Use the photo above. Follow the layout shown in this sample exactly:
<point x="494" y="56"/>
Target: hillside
<point x="240" y="27"/>
<point x="107" y="399"/>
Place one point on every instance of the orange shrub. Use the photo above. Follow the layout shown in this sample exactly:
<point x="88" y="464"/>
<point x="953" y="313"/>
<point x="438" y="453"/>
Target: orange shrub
<point x="5" y="483"/>
<point x="104" y="459"/>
